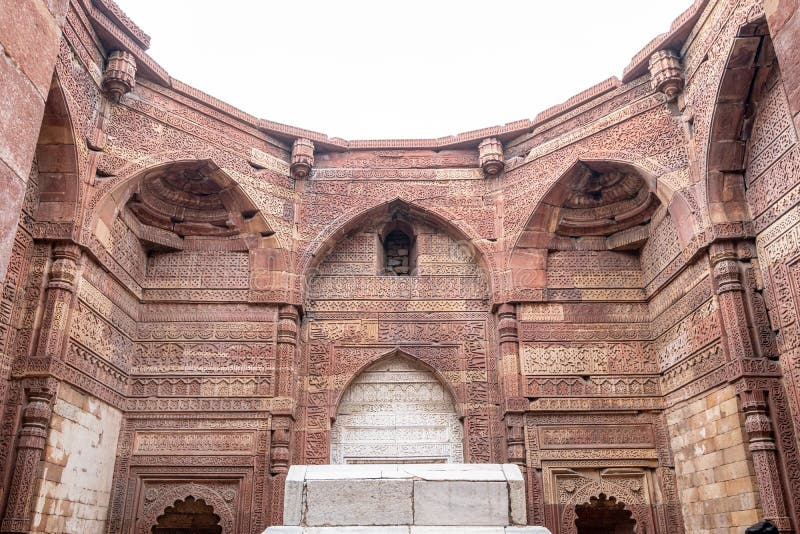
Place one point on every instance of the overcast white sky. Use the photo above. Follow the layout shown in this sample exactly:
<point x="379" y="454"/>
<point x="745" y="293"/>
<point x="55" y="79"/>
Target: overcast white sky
<point x="391" y="69"/>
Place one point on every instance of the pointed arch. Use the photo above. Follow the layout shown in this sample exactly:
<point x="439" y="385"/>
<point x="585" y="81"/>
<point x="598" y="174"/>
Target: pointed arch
<point x="648" y="172"/>
<point x="409" y="355"/>
<point x="326" y="240"/>
<point x="750" y="62"/>
<point x="396" y="409"/>
<point x="182" y="198"/>
<point x="56" y="165"/>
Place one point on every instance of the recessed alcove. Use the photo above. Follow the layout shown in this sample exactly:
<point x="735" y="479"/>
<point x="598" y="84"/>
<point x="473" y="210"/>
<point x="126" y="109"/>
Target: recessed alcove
<point x="600" y="205"/>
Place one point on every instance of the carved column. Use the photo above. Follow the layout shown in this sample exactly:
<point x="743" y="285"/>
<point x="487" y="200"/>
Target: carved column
<point x="730" y="292"/>
<point x="763" y="451"/>
<point x="62" y="280"/>
<point x="283" y="412"/>
<point x="288" y="318"/>
<point x="514" y="404"/>
<point x="30" y="447"/>
<point x="54" y="332"/>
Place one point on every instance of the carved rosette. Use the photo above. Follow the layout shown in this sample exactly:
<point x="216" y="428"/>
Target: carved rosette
<point x="490" y="155"/>
<point x="302" y="158"/>
<point x="666" y="75"/>
<point x="119" y="77"/>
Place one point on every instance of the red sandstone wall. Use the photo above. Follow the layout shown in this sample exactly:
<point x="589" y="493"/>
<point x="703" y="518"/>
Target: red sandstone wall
<point x="643" y="371"/>
<point x="29" y="37"/>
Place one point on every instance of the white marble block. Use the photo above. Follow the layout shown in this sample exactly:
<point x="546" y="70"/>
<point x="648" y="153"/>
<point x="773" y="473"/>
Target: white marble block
<point x="405" y="499"/>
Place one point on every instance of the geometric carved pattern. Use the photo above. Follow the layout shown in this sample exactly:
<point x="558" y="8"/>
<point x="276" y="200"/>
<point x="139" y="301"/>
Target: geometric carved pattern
<point x="396" y="411"/>
<point x="567" y="293"/>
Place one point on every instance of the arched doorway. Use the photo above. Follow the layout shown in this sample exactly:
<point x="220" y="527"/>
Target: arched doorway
<point x="188" y="516"/>
<point x="396" y="411"/>
<point x="604" y="515"/>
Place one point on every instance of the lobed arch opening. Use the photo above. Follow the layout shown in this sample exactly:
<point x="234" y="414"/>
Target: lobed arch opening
<point x="397" y="409"/>
<point x="188" y="516"/>
<point x="602" y="514"/>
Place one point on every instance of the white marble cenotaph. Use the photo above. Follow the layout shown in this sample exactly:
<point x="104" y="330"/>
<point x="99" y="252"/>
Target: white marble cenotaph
<point x="405" y="499"/>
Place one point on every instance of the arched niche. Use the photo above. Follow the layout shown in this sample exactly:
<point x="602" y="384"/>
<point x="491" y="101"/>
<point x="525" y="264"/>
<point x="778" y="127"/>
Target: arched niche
<point x="598" y="217"/>
<point x="602" y="514"/>
<point x="399" y="249"/>
<point x="182" y="218"/>
<point x="397" y="411"/>
<point x="55" y="166"/>
<point x="182" y="204"/>
<point x="594" y="204"/>
<point x="383" y="218"/>
<point x="188" y="516"/>
<point x="750" y="70"/>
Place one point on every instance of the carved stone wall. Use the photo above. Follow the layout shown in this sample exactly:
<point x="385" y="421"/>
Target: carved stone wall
<point x="396" y="411"/>
<point x="438" y="316"/>
<point x="615" y="309"/>
<point x="715" y="477"/>
<point x="75" y="486"/>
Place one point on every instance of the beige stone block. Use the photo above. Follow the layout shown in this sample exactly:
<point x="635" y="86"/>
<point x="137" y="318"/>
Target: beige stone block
<point x="734" y="454"/>
<point x="729" y="407"/>
<point x="729" y="423"/>
<point x="358" y="502"/>
<point x="711" y="491"/>
<point x="689" y="495"/>
<point x="293" y="495"/>
<point x="732" y="471"/>
<point x="516" y="494"/>
<point x="744" y="518"/>
<point x="460" y="503"/>
<point x="709" y="460"/>
<point x="701" y="478"/>
<point x="740" y="485"/>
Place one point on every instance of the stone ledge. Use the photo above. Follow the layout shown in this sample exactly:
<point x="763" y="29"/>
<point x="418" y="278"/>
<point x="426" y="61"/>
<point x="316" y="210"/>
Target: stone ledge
<point x="433" y="496"/>
<point x="408" y="530"/>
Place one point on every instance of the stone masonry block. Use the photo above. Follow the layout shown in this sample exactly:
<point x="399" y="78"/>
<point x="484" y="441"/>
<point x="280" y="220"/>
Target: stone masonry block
<point x="293" y="495"/>
<point x="516" y="494"/>
<point x="358" y="502"/>
<point x="460" y="503"/>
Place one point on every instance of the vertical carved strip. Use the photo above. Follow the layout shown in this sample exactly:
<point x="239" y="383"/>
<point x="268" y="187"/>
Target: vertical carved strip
<point x="288" y="318"/>
<point x="279" y="465"/>
<point x="63" y="277"/>
<point x="762" y="448"/>
<point x="280" y="457"/>
<point x="730" y="291"/>
<point x="122" y="485"/>
<point x="317" y="420"/>
<point x="32" y="440"/>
